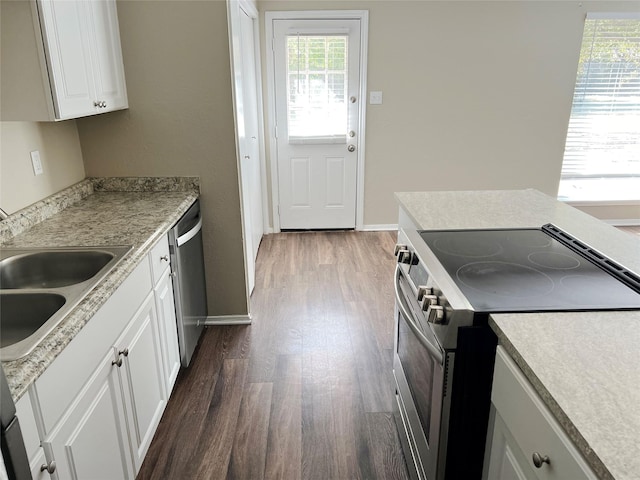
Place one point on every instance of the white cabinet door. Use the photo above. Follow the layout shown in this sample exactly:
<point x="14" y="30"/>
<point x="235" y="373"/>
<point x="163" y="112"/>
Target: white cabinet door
<point x="525" y="432"/>
<point x="84" y="57"/>
<point x="506" y="461"/>
<point x="68" y="57"/>
<point x="90" y="440"/>
<point x="168" y="329"/>
<point x="142" y="378"/>
<point x="106" y="55"/>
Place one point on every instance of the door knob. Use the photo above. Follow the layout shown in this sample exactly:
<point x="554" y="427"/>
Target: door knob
<point x="48" y="467"/>
<point x="352" y="99"/>
<point x="351" y="148"/>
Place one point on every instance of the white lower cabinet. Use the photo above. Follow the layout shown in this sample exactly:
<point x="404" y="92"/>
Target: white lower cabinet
<point x="167" y="320"/>
<point x="35" y="453"/>
<point x="165" y="305"/>
<point x="96" y="408"/>
<point x="90" y="441"/>
<point x="141" y="371"/>
<point x="525" y="441"/>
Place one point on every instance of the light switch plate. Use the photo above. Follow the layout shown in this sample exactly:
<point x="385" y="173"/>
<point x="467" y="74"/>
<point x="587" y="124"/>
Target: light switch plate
<point x="375" y="98"/>
<point x="36" y="163"/>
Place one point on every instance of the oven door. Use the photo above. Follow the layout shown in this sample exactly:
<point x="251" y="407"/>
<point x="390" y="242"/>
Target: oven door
<point x="419" y="370"/>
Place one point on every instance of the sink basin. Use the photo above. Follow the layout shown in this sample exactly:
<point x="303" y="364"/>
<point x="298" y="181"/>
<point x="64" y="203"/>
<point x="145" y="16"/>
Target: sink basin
<point x="24" y="313"/>
<point x="51" y="269"/>
<point x="40" y="286"/>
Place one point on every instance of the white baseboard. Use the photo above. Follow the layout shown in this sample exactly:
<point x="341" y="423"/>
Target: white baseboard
<point x="379" y="228"/>
<point x="228" y="320"/>
<point x="623" y="222"/>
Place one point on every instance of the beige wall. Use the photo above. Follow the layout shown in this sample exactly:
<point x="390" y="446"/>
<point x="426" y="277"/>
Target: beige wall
<point x="179" y="122"/>
<point x="60" y="155"/>
<point x="477" y="94"/>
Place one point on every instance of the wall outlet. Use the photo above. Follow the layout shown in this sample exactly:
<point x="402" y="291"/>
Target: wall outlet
<point x="375" y="98"/>
<point x="36" y="163"/>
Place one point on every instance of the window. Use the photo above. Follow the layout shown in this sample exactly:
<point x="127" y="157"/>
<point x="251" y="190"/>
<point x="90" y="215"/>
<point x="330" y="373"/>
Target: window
<point x="316" y="86"/>
<point x="602" y="151"/>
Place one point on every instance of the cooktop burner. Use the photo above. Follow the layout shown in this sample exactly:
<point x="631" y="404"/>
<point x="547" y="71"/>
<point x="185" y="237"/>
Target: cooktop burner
<point x="531" y="270"/>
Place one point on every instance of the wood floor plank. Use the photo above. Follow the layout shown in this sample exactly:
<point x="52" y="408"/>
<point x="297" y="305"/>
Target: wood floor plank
<point x="249" y="452"/>
<point x="384" y="446"/>
<point x="284" y="440"/>
<point x="213" y="450"/>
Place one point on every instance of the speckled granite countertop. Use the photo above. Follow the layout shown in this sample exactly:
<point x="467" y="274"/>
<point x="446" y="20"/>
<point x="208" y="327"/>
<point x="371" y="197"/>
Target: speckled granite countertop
<point x="585" y="366"/>
<point x="102" y="212"/>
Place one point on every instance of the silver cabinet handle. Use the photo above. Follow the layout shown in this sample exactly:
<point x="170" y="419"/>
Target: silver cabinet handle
<point x="539" y="460"/>
<point x="50" y="467"/>
<point x="165" y="258"/>
<point x="122" y="352"/>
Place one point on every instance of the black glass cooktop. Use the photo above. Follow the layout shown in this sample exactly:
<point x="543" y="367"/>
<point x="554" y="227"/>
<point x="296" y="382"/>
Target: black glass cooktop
<point x="531" y="270"/>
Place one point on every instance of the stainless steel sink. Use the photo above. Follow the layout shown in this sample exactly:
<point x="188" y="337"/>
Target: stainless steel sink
<point x="51" y="269"/>
<point x="23" y="314"/>
<point x="40" y="286"/>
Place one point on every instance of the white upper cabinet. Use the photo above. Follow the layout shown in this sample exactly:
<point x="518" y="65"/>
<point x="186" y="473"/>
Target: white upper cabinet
<point x="63" y="59"/>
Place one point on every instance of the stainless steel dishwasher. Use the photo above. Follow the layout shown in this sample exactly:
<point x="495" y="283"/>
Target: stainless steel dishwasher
<point x="189" y="285"/>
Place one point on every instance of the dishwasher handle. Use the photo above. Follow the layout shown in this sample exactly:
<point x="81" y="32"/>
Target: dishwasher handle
<point x="184" y="238"/>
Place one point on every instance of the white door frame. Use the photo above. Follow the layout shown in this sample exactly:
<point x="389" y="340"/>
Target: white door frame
<point x="363" y="16"/>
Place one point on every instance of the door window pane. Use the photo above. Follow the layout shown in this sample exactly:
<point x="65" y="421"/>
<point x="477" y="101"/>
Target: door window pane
<point x="317" y="94"/>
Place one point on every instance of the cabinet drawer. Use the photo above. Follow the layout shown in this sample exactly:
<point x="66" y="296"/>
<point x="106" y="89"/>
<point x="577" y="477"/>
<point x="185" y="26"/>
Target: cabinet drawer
<point x="63" y="379"/>
<point x="159" y="258"/>
<point x="532" y="424"/>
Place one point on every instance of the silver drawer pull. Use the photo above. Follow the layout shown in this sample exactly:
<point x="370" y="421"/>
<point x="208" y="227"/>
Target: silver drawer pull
<point x="539" y="460"/>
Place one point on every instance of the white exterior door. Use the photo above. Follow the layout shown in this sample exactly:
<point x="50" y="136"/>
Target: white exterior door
<point x="317" y="106"/>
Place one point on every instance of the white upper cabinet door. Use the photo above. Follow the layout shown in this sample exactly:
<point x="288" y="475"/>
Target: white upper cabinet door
<point x="106" y="55"/>
<point x="67" y="51"/>
<point x="77" y="49"/>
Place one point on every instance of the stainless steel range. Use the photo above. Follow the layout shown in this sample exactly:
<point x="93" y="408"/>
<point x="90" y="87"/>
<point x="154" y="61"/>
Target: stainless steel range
<point x="447" y="283"/>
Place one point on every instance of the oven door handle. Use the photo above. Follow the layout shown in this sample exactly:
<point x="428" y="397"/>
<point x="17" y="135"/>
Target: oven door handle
<point x="433" y="350"/>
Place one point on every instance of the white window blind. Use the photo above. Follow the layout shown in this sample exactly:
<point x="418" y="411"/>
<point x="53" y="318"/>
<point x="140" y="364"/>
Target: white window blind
<point x="317" y="88"/>
<point x="603" y="139"/>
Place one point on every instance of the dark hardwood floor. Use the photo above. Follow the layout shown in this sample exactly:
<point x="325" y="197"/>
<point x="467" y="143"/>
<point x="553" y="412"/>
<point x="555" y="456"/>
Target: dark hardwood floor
<point x="305" y="392"/>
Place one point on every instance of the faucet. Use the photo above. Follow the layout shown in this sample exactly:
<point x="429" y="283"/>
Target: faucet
<point x="3" y="215"/>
